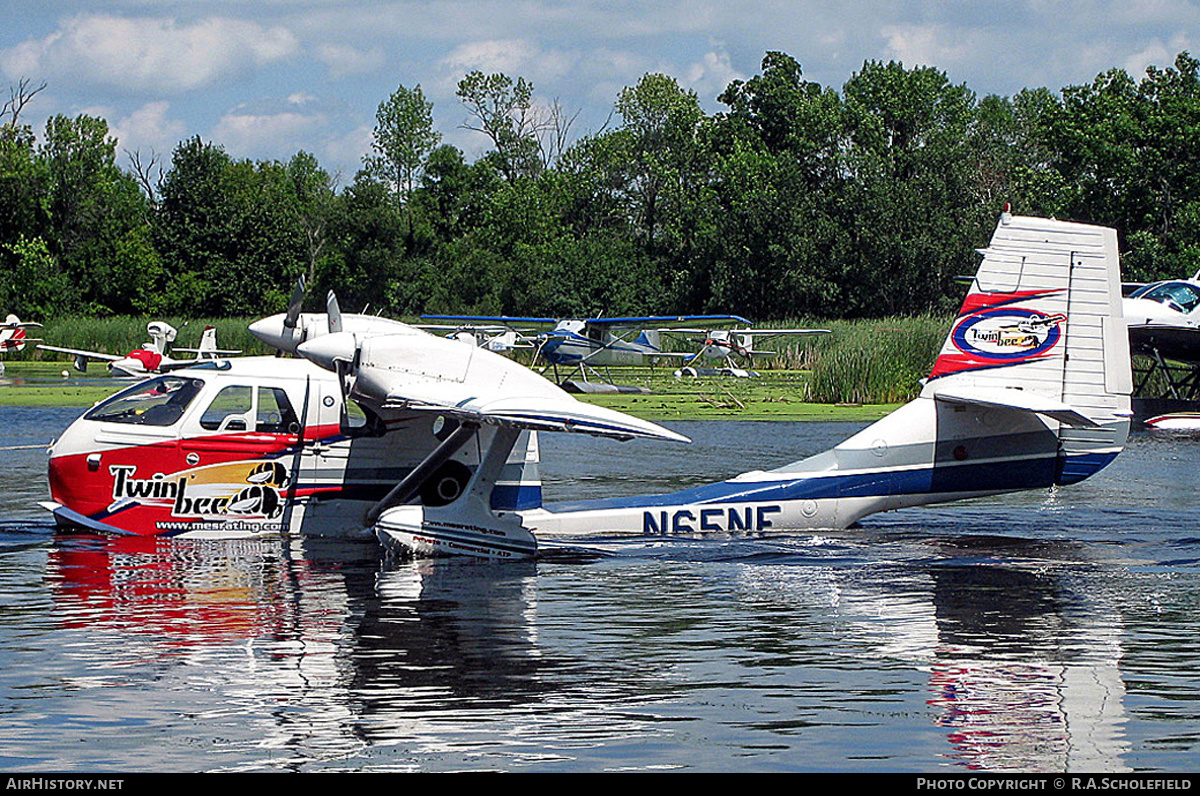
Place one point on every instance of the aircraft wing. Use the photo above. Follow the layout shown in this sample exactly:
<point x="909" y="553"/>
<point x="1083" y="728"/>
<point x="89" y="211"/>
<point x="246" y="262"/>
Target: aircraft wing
<point x="421" y="371"/>
<point x="769" y="333"/>
<point x="1014" y="398"/>
<point x="664" y="320"/>
<point x="85" y="354"/>
<point x="492" y="321"/>
<point x="1179" y="343"/>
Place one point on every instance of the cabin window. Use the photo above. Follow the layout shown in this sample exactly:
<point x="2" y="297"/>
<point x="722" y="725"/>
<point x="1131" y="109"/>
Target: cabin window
<point x="155" y="402"/>
<point x="229" y="410"/>
<point x="275" y="414"/>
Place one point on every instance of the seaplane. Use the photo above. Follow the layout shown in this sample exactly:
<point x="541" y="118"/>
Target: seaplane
<point x="1030" y="390"/>
<point x="735" y="348"/>
<point x="585" y="345"/>
<point x="153" y="356"/>
<point x="1164" y="328"/>
<point x="274" y="445"/>
<point x="13" y="336"/>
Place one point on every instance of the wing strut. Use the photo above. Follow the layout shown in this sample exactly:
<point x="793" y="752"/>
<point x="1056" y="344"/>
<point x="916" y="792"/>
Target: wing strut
<point x="412" y="482"/>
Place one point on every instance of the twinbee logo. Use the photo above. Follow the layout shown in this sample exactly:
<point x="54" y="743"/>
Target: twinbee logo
<point x="244" y="489"/>
<point x="1007" y="334"/>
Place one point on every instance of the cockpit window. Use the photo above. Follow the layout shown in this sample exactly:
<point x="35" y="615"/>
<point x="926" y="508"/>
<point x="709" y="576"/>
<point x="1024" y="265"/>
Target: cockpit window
<point x="1180" y="295"/>
<point x="155" y="402"/>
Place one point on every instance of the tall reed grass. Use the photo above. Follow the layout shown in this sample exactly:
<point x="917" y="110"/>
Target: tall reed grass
<point x="874" y="361"/>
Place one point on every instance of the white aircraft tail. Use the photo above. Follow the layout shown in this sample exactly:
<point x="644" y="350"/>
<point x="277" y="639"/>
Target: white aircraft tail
<point x="1041" y="332"/>
<point x="208" y="342"/>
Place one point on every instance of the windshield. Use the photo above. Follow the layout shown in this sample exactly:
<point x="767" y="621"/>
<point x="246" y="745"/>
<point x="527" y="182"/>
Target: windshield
<point x="1181" y="295"/>
<point x="155" y="402"/>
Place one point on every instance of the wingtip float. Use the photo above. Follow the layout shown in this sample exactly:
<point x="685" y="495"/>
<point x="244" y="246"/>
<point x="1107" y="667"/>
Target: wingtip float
<point x="1030" y="389"/>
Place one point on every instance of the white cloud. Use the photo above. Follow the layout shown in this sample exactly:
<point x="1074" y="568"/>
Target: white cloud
<point x="268" y="135"/>
<point x="1156" y="53"/>
<point x="929" y="45"/>
<point x="135" y="55"/>
<point x="711" y="75"/>
<point x="510" y="56"/>
<point x="149" y="128"/>
<point x="344" y="60"/>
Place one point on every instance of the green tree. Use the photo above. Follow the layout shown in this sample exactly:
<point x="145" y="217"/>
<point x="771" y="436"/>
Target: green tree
<point x="232" y="231"/>
<point x="99" y="220"/>
<point x="402" y="141"/>
<point x="909" y="201"/>
<point x="502" y="109"/>
<point x="778" y="162"/>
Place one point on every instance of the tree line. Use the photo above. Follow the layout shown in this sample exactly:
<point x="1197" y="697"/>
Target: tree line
<point x="796" y="200"/>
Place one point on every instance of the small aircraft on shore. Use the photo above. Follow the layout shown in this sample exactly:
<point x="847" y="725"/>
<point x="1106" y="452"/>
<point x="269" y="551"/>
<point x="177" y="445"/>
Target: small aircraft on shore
<point x="153" y="356"/>
<point x="735" y="349"/>
<point x="1031" y="390"/>
<point x="1164" y="327"/>
<point x="13" y="337"/>
<point x="585" y="345"/>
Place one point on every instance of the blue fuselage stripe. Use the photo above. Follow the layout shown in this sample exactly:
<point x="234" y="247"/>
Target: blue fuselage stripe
<point x="1005" y="476"/>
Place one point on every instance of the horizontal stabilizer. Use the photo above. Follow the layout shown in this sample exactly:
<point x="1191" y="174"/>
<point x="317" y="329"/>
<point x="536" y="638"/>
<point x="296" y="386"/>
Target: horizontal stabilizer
<point x="1014" y="398"/>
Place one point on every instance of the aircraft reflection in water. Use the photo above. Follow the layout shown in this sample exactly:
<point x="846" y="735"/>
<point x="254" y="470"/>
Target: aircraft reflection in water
<point x="336" y="658"/>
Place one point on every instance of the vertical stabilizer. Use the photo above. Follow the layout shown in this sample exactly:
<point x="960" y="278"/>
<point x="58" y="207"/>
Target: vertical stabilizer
<point x="1043" y="316"/>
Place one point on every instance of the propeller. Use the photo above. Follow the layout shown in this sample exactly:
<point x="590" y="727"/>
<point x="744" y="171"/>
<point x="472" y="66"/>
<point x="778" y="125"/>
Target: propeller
<point x="293" y="307"/>
<point x="333" y="313"/>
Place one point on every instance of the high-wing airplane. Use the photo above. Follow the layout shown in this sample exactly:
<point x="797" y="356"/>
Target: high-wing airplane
<point x="13" y="336"/>
<point x="1031" y="389"/>
<point x="153" y="356"/>
<point x="585" y="344"/>
<point x="735" y="348"/>
<point x="1164" y="327"/>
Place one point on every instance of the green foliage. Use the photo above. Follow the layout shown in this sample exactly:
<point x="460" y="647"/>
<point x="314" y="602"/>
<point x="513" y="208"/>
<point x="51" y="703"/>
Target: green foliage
<point x="797" y="200"/>
<point x="871" y="362"/>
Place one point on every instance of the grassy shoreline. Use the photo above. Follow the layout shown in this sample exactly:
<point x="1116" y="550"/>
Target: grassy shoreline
<point x="775" y="395"/>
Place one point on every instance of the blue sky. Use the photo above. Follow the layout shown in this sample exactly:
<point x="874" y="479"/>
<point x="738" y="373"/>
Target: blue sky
<point x="266" y="78"/>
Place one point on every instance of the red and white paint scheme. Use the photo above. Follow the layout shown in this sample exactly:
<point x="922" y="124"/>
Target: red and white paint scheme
<point x="13" y="336"/>
<point x="254" y="446"/>
<point x="153" y="356"/>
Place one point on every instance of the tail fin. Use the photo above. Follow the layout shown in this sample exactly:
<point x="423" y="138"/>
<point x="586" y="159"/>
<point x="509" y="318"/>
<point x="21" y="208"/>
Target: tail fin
<point x="1043" y="316"/>
<point x="208" y="342"/>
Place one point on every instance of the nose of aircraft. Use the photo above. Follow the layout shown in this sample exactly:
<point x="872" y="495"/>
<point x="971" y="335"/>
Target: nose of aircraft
<point x="328" y="348"/>
<point x="272" y="332"/>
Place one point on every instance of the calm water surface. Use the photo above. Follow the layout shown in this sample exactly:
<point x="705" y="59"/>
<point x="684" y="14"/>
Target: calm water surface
<point x="1049" y="631"/>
